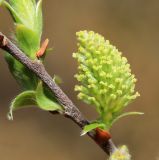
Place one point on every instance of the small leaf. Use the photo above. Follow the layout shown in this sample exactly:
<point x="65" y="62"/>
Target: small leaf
<point x="45" y="100"/>
<point x="21" y="100"/>
<point x="28" y="45"/>
<point x="92" y="126"/>
<point x="13" y="12"/>
<point x="57" y="79"/>
<point x="25" y="9"/>
<point x="127" y="114"/>
<point x="25" y="78"/>
<point x="39" y="19"/>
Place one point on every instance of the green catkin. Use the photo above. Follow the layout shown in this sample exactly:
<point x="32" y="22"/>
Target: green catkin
<point x="105" y="76"/>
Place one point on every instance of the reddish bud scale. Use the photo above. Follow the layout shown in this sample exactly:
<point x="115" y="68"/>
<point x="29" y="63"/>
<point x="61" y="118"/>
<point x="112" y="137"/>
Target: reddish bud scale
<point x="42" y="50"/>
<point x="102" y="136"/>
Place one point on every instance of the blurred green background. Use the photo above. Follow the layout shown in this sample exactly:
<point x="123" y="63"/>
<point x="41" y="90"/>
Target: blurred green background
<point x="131" y="25"/>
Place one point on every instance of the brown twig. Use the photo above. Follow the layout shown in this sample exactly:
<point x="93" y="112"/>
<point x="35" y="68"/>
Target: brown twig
<point x="70" y="110"/>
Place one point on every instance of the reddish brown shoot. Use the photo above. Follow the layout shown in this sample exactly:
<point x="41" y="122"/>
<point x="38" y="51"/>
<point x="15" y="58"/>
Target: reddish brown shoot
<point x="102" y="135"/>
<point x="42" y="50"/>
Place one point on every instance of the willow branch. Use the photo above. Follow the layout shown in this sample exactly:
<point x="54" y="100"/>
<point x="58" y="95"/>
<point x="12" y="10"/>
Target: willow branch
<point x="70" y="110"/>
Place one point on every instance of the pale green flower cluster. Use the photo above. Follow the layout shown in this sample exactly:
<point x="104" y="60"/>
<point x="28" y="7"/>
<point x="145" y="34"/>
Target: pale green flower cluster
<point x="105" y="76"/>
<point x="121" y="153"/>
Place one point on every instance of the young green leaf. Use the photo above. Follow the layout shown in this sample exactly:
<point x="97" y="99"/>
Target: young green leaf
<point x="92" y="126"/>
<point x="45" y="100"/>
<point x="39" y="17"/>
<point x="57" y="79"/>
<point x="27" y="16"/>
<point x="29" y="45"/>
<point x="25" y="78"/>
<point x="126" y="114"/>
<point x="20" y="101"/>
<point x="25" y="10"/>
